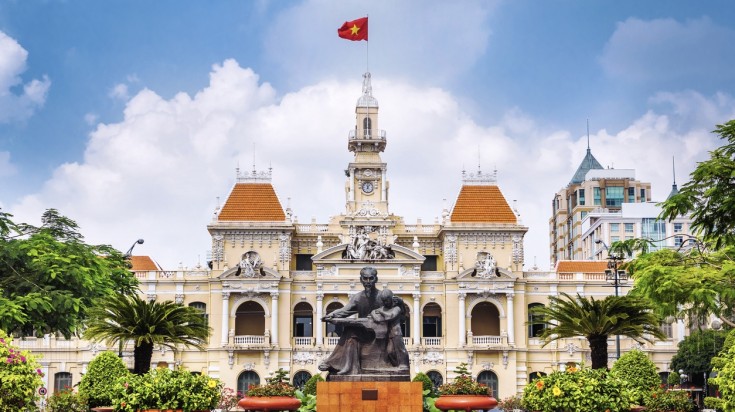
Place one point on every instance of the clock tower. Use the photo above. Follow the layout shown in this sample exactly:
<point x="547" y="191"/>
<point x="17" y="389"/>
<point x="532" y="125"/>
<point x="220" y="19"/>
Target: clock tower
<point x="367" y="187"/>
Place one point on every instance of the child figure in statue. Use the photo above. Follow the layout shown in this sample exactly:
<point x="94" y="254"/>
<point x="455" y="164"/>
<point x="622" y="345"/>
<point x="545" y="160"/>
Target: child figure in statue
<point x="392" y="313"/>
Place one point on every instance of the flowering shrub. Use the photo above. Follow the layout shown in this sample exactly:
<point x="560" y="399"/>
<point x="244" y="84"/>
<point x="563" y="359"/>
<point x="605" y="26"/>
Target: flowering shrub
<point x="228" y="399"/>
<point x="20" y="377"/>
<point x="581" y="389"/>
<point x="639" y="374"/>
<point x="98" y="384"/>
<point x="663" y="400"/>
<point x="167" y="389"/>
<point x="463" y="384"/>
<point x="513" y="403"/>
<point x="276" y="386"/>
<point x="67" y="401"/>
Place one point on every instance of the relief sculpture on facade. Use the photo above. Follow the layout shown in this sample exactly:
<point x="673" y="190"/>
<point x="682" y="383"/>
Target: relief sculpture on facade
<point x="250" y="265"/>
<point x="485" y="266"/>
<point x="363" y="248"/>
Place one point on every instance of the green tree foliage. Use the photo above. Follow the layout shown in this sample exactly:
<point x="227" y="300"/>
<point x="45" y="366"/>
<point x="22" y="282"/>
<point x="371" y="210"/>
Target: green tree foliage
<point x="724" y="364"/>
<point x="98" y="384"/>
<point x="310" y="385"/>
<point x="697" y="350"/>
<point x="695" y="283"/>
<point x="597" y="320"/>
<point x="426" y="383"/>
<point x="709" y="196"/>
<point x="639" y="374"/>
<point x="49" y="276"/>
<point x="146" y="323"/>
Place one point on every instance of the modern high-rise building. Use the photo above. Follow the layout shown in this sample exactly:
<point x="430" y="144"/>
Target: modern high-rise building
<point x="272" y="279"/>
<point x="591" y="188"/>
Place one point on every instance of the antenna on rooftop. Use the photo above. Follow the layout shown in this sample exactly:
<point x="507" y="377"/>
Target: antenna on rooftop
<point x="673" y="167"/>
<point x="588" y="135"/>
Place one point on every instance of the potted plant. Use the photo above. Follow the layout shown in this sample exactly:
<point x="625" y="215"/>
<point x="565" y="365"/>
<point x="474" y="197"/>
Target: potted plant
<point x="167" y="390"/>
<point x="276" y="395"/>
<point x="577" y="389"/>
<point x="464" y="393"/>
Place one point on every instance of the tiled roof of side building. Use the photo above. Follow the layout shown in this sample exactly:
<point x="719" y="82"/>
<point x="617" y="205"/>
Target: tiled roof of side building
<point x="143" y="263"/>
<point x="484" y="204"/>
<point x="581" y="266"/>
<point x="252" y="202"/>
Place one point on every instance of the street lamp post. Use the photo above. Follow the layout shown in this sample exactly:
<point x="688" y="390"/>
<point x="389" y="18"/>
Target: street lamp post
<point x="616" y="277"/>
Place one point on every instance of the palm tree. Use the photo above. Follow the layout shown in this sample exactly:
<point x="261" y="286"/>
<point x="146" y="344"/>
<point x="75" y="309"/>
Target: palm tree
<point x="147" y="323"/>
<point x="596" y="320"/>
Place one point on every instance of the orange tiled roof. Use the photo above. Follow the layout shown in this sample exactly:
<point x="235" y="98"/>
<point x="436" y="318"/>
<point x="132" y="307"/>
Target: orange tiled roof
<point x="482" y="204"/>
<point x="252" y="202"/>
<point x="143" y="263"/>
<point x="581" y="266"/>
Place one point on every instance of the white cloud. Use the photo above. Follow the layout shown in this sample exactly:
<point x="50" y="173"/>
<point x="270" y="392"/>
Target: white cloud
<point x="156" y="173"/>
<point x="18" y="105"/>
<point x="91" y="118"/>
<point x="666" y="49"/>
<point x="119" y="91"/>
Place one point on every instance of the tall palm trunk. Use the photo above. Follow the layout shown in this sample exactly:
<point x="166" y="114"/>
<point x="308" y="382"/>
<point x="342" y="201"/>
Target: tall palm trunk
<point x="142" y="355"/>
<point x="598" y="347"/>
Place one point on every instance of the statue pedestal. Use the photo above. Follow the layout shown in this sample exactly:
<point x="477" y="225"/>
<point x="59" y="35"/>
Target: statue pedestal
<point x="364" y="396"/>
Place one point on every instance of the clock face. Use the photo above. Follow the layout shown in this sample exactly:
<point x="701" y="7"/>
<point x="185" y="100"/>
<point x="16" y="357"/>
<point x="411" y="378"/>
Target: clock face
<point x="367" y="187"/>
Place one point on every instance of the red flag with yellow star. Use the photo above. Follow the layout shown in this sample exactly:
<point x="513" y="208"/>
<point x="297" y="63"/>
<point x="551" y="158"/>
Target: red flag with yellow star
<point x="354" y="30"/>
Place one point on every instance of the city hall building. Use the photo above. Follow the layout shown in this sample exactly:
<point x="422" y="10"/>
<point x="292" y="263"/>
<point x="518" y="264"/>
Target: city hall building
<point x="272" y="279"/>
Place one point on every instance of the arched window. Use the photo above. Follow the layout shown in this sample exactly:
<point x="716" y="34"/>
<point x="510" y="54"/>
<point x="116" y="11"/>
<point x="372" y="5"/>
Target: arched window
<point x="436" y="378"/>
<point x="244" y="381"/>
<point x="333" y="330"/>
<point x="367" y="125"/>
<point x="300" y="378"/>
<point x="250" y="319"/>
<point x="202" y="307"/>
<point x="490" y="379"/>
<point x="303" y="320"/>
<point x="432" y="321"/>
<point x="62" y="381"/>
<point x="485" y="320"/>
<point x="535" y="326"/>
<point x="535" y="375"/>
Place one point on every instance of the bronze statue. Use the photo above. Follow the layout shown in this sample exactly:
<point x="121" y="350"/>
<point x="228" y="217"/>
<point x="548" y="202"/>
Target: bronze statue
<point x="371" y="345"/>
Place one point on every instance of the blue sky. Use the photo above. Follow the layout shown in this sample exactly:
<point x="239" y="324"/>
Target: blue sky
<point x="131" y="116"/>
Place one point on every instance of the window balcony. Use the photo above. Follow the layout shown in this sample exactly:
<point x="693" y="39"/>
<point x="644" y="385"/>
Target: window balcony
<point x="488" y="341"/>
<point x="303" y="341"/>
<point x="432" y="341"/>
<point x="251" y="341"/>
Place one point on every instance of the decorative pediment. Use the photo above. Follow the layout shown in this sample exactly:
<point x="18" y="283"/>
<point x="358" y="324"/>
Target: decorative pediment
<point x="394" y="253"/>
<point x="263" y="273"/>
<point x="473" y="274"/>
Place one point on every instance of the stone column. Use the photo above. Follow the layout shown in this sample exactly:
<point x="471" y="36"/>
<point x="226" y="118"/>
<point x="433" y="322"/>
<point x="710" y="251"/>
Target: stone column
<point x="462" y="321"/>
<point x="274" y="318"/>
<point x="225" y="317"/>
<point x="511" y="320"/>
<point x="384" y="188"/>
<point x="318" y="320"/>
<point x="416" y="319"/>
<point x="352" y="186"/>
<point x="679" y="330"/>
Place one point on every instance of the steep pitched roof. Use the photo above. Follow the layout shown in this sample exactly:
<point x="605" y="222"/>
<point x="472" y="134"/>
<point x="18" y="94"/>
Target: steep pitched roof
<point x="482" y="203"/>
<point x="143" y="263"/>
<point x="581" y="266"/>
<point x="588" y="163"/>
<point x="252" y="202"/>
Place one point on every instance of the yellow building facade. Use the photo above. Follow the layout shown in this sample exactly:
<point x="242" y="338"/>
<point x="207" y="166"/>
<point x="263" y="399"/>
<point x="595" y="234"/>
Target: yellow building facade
<point x="272" y="279"/>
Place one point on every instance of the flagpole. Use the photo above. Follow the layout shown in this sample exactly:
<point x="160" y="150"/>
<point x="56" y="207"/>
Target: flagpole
<point x="367" y="48"/>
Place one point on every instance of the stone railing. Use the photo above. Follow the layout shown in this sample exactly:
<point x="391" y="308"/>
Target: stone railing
<point x="250" y="340"/>
<point x="488" y="340"/>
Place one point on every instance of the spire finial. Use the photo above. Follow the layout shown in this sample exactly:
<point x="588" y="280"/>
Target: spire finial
<point x="673" y="167"/>
<point x="588" y="135"/>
